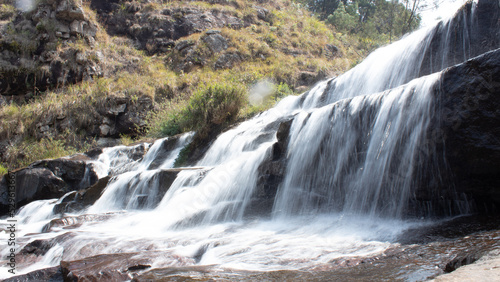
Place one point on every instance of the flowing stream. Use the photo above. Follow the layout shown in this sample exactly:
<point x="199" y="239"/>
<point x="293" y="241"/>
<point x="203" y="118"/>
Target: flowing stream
<point x="352" y="162"/>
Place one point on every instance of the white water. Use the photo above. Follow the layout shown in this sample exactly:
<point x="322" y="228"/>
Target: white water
<point x="348" y="179"/>
<point x="343" y="156"/>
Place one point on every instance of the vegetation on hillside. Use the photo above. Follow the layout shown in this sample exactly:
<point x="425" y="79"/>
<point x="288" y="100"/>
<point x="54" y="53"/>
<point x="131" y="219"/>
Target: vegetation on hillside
<point x="276" y="48"/>
<point x="378" y="20"/>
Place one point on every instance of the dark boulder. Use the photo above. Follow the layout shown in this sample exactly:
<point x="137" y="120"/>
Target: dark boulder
<point x="72" y="172"/>
<point x="47" y="179"/>
<point x="78" y="200"/>
<point x="166" y="178"/>
<point x="31" y="184"/>
<point x="90" y="195"/>
<point x="45" y="274"/>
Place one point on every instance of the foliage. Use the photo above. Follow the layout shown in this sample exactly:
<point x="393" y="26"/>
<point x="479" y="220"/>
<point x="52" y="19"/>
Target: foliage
<point x="210" y="106"/>
<point x="3" y="170"/>
<point x="374" y="19"/>
<point x="183" y="155"/>
<point x="6" y="11"/>
<point x="29" y="151"/>
<point x="342" y="20"/>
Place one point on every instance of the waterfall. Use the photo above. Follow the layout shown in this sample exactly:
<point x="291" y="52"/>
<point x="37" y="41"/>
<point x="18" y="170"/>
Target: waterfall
<point x="136" y="185"/>
<point x="347" y="139"/>
<point x="357" y="155"/>
<point x="352" y="160"/>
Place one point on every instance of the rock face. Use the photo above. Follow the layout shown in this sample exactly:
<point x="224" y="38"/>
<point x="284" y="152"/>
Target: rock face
<point x="469" y="119"/>
<point x="39" y="48"/>
<point x="271" y="173"/>
<point x="157" y="30"/>
<point x="115" y="117"/>
<point x="481" y="27"/>
<point x="124" y="116"/>
<point x="46" y="179"/>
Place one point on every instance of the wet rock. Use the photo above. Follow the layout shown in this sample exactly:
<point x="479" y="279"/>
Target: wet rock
<point x="65" y="201"/>
<point x="483" y="36"/>
<point x="72" y="222"/>
<point x="164" y="152"/>
<point x="112" y="267"/>
<point x="46" y="274"/>
<point x="166" y="178"/>
<point x="466" y="131"/>
<point x="90" y="195"/>
<point x="47" y="179"/>
<point x="72" y="172"/>
<point x="146" y="195"/>
<point x="37" y="247"/>
<point x="271" y="173"/>
<point x="34" y="251"/>
<point x="32" y="184"/>
<point x="461" y="260"/>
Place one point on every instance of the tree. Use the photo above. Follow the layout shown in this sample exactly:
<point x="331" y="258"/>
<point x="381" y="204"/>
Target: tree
<point x="411" y="6"/>
<point x="323" y="8"/>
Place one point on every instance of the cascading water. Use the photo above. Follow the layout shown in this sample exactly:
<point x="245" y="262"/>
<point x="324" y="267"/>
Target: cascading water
<point x="351" y="164"/>
<point x="140" y="186"/>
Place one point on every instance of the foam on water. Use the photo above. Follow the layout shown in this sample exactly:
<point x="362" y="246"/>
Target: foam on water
<point x="351" y="159"/>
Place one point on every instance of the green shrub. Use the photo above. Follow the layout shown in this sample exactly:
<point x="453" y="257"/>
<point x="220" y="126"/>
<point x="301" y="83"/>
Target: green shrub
<point x="210" y="106"/>
<point x="183" y="156"/>
<point x="170" y="125"/>
<point x="215" y="104"/>
<point x="3" y="170"/>
<point x="7" y="12"/>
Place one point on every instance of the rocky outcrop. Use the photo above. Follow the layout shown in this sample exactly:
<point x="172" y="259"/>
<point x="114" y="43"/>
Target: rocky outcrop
<point x="271" y="172"/>
<point x="116" y="116"/>
<point x="46" y="179"/>
<point x="469" y="126"/>
<point x="458" y="164"/>
<point x="157" y="30"/>
<point x="475" y="23"/>
<point x="40" y="49"/>
<point x="123" y="116"/>
<point x="189" y="54"/>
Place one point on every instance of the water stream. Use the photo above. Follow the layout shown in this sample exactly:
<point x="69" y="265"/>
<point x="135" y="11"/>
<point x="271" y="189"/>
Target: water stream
<point x="351" y="167"/>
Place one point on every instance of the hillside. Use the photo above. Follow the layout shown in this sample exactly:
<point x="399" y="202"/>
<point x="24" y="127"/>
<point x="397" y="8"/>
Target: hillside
<point x="76" y="75"/>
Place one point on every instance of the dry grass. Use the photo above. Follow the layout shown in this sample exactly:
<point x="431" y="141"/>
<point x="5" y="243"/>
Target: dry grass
<point x="277" y="50"/>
